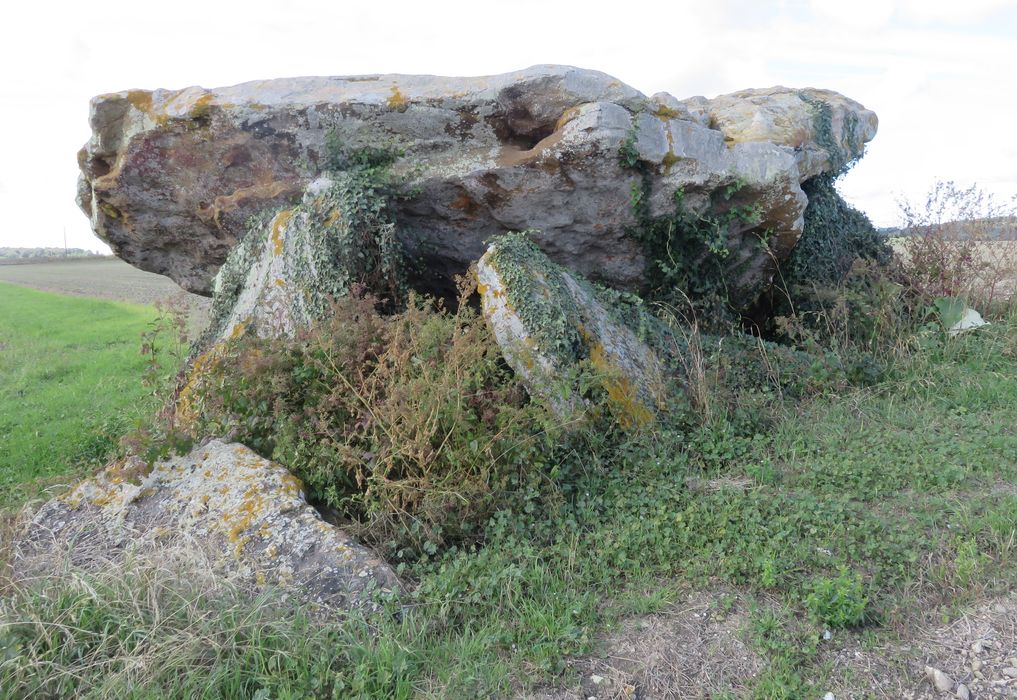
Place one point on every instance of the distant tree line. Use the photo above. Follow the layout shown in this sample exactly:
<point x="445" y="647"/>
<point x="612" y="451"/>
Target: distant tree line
<point x="1000" y="228"/>
<point x="32" y="253"/>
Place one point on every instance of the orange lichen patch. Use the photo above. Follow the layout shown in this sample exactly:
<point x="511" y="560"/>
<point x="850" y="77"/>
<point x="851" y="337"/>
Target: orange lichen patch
<point x="140" y="100"/>
<point x="291" y="484"/>
<point x="201" y="106"/>
<point x="252" y="507"/>
<point x="665" y="113"/>
<point x="524" y="356"/>
<point x="397" y="100"/>
<point x="262" y="190"/>
<point x="259" y="578"/>
<point x="186" y="414"/>
<point x="566" y="116"/>
<point x="278" y="226"/>
<point x="109" y="210"/>
<point x="103" y="500"/>
<point x="622" y="393"/>
<point x="334" y="217"/>
<point x="131" y="470"/>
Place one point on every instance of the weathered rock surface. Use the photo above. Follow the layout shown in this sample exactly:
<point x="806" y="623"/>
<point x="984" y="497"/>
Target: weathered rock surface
<point x="548" y="321"/>
<point x="249" y="511"/>
<point x="170" y="178"/>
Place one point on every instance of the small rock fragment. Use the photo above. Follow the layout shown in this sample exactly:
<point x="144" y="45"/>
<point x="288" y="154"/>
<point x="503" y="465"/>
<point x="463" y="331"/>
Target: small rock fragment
<point x="1010" y="672"/>
<point x="597" y="680"/>
<point x="940" y="680"/>
<point x="962" y="692"/>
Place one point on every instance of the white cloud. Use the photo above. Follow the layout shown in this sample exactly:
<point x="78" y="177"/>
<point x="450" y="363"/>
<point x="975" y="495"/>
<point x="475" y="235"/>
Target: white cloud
<point x="857" y="14"/>
<point x="951" y="10"/>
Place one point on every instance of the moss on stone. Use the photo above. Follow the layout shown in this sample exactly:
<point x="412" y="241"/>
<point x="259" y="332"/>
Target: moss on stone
<point x="537" y="294"/>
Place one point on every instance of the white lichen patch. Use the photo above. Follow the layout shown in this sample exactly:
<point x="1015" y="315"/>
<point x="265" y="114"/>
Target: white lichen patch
<point x="251" y="511"/>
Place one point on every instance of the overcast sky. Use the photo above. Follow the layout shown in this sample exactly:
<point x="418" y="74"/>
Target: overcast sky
<point x="940" y="75"/>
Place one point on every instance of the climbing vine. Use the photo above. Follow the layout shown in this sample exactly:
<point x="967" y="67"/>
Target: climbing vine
<point x="687" y="251"/>
<point x="553" y="318"/>
<point x="835" y="234"/>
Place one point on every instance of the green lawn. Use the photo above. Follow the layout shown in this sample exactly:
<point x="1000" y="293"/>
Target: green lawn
<point x="70" y="384"/>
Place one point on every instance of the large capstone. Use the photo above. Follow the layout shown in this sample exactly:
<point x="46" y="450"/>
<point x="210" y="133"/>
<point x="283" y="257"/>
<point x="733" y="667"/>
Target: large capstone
<point x="172" y="178"/>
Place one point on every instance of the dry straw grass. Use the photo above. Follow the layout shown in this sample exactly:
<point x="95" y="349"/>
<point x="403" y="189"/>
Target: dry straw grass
<point x="147" y="620"/>
<point x="960" y="242"/>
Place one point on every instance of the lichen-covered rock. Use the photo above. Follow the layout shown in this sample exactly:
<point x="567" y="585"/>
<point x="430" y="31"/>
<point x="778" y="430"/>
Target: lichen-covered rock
<point x="249" y="511"/>
<point x="170" y="178"/>
<point x="549" y="322"/>
<point x="284" y="273"/>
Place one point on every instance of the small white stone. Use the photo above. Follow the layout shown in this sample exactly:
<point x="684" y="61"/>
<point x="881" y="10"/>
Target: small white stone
<point x="829" y="696"/>
<point x="940" y="680"/>
<point x="1010" y="671"/>
<point x="597" y="680"/>
<point x="828" y="635"/>
<point x="962" y="692"/>
<point x="976" y="665"/>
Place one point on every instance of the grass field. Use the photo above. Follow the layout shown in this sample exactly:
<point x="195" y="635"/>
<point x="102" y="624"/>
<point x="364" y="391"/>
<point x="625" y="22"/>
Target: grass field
<point x="70" y="385"/>
<point x="840" y="547"/>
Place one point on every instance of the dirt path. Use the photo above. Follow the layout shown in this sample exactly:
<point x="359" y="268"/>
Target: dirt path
<point x="701" y="648"/>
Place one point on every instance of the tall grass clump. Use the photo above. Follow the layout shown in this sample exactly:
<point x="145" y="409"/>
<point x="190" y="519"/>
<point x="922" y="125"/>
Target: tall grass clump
<point x="956" y="249"/>
<point x="960" y="242"/>
<point x="161" y="625"/>
<point x="409" y="426"/>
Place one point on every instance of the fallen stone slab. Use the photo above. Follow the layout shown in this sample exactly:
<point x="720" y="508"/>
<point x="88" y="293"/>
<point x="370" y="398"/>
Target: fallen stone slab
<point x="549" y="323"/>
<point x="249" y="512"/>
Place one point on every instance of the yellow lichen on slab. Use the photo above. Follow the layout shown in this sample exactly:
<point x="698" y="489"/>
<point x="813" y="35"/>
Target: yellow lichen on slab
<point x="624" y="396"/>
<point x="397" y="100"/>
<point x="278" y="226"/>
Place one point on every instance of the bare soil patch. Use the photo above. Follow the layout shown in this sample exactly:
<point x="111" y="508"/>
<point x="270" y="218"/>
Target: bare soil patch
<point x="975" y="653"/>
<point x="695" y="649"/>
<point x="701" y="648"/>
